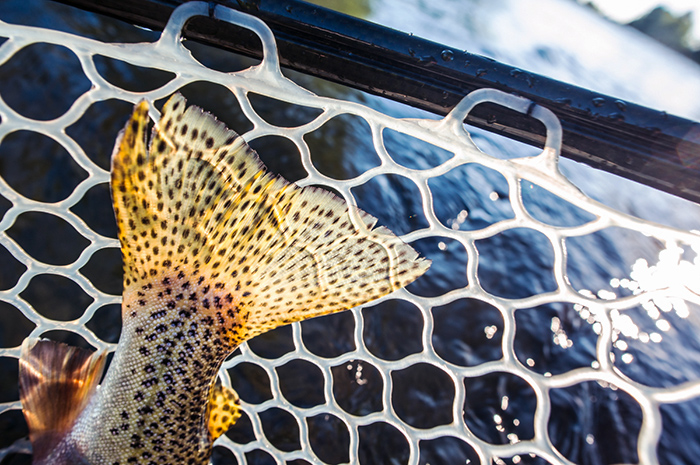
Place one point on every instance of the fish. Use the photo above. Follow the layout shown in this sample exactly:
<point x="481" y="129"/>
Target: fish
<point x="216" y="250"/>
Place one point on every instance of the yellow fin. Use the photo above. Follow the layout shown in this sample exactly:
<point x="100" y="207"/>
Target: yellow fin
<point x="56" y="382"/>
<point x="201" y="201"/>
<point x="224" y="410"/>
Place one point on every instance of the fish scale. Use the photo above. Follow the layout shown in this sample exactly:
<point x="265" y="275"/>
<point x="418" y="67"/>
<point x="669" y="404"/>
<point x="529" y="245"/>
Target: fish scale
<point x="216" y="250"/>
<point x="155" y="399"/>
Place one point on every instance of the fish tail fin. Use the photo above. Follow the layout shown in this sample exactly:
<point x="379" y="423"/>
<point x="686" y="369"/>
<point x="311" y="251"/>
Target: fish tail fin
<point x="56" y="382"/>
<point x="330" y="257"/>
<point x="201" y="213"/>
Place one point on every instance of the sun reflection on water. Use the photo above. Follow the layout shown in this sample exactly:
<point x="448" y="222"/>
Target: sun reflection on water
<point x="675" y="275"/>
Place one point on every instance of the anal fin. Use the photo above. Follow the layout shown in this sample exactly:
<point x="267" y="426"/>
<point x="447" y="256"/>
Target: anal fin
<point x="224" y="410"/>
<point x="56" y="382"/>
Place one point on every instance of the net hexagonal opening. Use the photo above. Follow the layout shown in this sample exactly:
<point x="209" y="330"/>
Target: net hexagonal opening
<point x="413" y="153"/>
<point x="280" y="113"/>
<point x="129" y="76"/>
<point x="448" y="270"/>
<point x="503" y="276"/>
<point x="15" y="327"/>
<point x="446" y="449"/>
<point x="551" y="209"/>
<point x="394" y="200"/>
<point x="11" y="269"/>
<point x="217" y="100"/>
<point x="41" y="81"/>
<point x="97" y="129"/>
<point x="106" y="323"/>
<point x="47" y="238"/>
<point x="605" y="431"/>
<point x="104" y="270"/>
<point x="301" y="383"/>
<point x="393" y="329"/>
<point x="281" y="429"/>
<point x="56" y="297"/>
<point x="273" y="344"/>
<point x="499" y="407"/>
<point x="358" y="387"/>
<point x="423" y="395"/>
<point x="381" y="442"/>
<point x="251" y="382"/>
<point x="467" y="332"/>
<point x="459" y="201"/>
<point x="329" y="336"/>
<point x="342" y="147"/>
<point x="280" y="155"/>
<point x="554" y="339"/>
<point x="95" y="208"/>
<point x="38" y="167"/>
<point x="329" y="438"/>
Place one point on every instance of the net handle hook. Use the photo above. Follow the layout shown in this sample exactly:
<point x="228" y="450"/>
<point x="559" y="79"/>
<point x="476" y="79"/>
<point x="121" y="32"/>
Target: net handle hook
<point x="520" y="104"/>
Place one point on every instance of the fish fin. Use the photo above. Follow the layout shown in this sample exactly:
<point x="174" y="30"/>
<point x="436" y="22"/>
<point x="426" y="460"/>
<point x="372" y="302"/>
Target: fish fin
<point x="201" y="202"/>
<point x="56" y="381"/>
<point x="223" y="408"/>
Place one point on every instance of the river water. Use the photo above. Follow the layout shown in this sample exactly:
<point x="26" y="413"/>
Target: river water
<point x="556" y="38"/>
<point x="568" y="42"/>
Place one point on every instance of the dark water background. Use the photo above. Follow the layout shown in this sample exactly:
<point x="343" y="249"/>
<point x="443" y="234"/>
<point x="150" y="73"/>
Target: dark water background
<point x="42" y="80"/>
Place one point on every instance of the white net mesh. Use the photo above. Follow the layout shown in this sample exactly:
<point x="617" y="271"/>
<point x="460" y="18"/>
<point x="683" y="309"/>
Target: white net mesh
<point x="451" y="370"/>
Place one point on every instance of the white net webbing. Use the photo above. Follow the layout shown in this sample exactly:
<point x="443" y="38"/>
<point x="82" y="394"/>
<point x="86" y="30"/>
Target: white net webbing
<point x="371" y="401"/>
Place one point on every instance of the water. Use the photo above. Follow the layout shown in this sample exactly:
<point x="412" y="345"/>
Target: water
<point x="557" y="38"/>
<point x="562" y="40"/>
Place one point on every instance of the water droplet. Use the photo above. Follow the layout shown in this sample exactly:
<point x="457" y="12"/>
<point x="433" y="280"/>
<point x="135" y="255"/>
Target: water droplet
<point x="481" y="72"/>
<point x="598" y="101"/>
<point x="447" y="55"/>
<point x="504" y="403"/>
<point x="622" y="105"/>
<point x="516" y="72"/>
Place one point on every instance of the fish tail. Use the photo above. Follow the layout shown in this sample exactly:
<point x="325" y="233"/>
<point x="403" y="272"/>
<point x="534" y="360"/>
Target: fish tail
<point x="201" y="212"/>
<point x="56" y="382"/>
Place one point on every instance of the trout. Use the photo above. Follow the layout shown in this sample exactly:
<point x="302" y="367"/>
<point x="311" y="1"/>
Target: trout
<point x="216" y="250"/>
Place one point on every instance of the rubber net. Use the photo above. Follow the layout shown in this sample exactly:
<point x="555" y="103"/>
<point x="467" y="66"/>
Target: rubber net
<point x="436" y="373"/>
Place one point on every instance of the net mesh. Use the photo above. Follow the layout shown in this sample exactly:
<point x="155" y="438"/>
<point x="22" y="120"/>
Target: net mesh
<point x="371" y="401"/>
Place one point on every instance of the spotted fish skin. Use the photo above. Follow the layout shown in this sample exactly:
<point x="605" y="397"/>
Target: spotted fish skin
<point x="216" y="250"/>
<point x="152" y="407"/>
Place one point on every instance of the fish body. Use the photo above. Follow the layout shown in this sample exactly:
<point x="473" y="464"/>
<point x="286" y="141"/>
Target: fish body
<point x="216" y="250"/>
